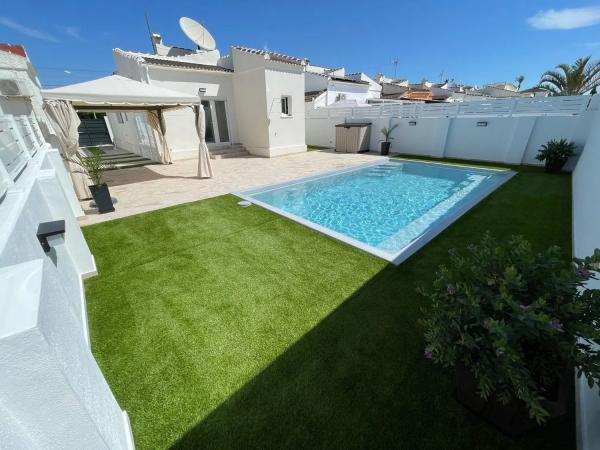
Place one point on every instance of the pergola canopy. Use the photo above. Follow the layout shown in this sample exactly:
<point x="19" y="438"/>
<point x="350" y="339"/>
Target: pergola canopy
<point x="116" y="92"/>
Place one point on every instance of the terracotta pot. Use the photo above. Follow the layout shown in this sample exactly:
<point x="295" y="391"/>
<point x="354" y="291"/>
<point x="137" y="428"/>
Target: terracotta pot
<point x="513" y="418"/>
<point x="102" y="198"/>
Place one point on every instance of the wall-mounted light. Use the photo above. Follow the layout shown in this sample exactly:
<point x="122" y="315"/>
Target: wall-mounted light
<point x="482" y="124"/>
<point x="47" y="229"/>
<point x="412" y="123"/>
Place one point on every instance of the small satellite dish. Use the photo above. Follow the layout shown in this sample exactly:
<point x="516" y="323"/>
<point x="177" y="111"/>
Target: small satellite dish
<point x="197" y="33"/>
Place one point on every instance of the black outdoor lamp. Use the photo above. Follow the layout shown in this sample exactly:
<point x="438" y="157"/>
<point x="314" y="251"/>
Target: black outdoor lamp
<point x="47" y="229"/>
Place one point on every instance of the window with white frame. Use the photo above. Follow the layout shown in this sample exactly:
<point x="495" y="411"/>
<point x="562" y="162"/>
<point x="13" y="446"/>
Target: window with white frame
<point x="286" y="105"/>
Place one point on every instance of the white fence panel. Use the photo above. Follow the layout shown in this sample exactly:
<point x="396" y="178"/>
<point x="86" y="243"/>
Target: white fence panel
<point x="503" y="130"/>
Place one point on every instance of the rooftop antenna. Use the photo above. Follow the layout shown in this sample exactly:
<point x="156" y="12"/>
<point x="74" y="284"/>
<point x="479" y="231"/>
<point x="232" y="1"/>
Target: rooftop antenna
<point x="395" y="63"/>
<point x="149" y="32"/>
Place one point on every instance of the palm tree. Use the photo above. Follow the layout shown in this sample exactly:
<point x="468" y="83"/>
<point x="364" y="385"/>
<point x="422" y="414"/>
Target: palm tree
<point x="519" y="81"/>
<point x="575" y="79"/>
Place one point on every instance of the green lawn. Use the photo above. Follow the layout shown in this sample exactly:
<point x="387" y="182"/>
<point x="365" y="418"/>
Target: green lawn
<point x="223" y="327"/>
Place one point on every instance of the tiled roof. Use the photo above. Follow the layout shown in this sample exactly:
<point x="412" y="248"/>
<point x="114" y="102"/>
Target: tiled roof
<point x="338" y="77"/>
<point x="12" y="48"/>
<point x="311" y="95"/>
<point x="164" y="61"/>
<point x="274" y="56"/>
<point x="349" y="80"/>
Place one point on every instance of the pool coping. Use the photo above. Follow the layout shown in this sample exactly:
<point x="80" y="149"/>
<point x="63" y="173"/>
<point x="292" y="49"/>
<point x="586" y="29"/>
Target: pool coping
<point x="418" y="242"/>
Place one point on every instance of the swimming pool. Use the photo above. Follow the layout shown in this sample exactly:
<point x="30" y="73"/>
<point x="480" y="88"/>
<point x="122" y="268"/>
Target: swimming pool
<point x="390" y="208"/>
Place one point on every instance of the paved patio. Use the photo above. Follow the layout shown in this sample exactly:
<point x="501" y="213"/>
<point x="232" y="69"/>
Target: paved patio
<point x="148" y="188"/>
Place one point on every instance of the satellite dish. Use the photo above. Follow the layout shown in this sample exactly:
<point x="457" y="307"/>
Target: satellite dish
<point x="197" y="33"/>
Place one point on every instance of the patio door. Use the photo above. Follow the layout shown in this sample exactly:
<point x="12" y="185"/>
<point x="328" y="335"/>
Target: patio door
<point x="217" y="124"/>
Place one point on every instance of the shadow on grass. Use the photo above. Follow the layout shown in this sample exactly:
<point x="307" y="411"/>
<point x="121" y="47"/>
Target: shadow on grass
<point x="359" y="380"/>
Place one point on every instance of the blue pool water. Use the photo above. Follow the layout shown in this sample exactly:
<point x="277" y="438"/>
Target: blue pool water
<point x="383" y="208"/>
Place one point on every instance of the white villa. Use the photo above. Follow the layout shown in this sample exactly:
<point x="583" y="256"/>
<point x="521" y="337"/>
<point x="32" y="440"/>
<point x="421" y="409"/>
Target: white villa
<point x="253" y="100"/>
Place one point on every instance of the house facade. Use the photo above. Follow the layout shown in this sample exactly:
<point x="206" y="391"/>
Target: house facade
<point x="252" y="98"/>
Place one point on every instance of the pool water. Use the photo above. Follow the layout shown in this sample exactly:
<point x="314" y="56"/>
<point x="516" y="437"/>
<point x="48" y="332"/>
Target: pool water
<point x="383" y="208"/>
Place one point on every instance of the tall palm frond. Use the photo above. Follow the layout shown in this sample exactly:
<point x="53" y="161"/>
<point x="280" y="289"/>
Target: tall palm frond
<point x="575" y="79"/>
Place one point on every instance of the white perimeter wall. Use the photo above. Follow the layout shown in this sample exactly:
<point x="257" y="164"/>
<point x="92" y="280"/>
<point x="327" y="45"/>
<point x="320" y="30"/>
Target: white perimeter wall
<point x="586" y="238"/>
<point x="506" y="139"/>
<point x="52" y="394"/>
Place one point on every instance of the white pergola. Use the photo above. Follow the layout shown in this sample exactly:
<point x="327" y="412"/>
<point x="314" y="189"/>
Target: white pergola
<point x="118" y="93"/>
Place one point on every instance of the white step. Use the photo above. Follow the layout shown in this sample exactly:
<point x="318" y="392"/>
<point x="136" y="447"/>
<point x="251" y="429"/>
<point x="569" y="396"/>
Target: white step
<point x="233" y="151"/>
<point x="238" y="154"/>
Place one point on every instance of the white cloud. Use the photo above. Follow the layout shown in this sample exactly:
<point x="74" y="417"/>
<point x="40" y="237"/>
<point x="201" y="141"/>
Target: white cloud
<point x="74" y="33"/>
<point x="31" y="32"/>
<point x="565" y="19"/>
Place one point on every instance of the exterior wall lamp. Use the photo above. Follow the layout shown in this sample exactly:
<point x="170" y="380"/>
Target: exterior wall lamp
<point x="482" y="124"/>
<point x="47" y="229"/>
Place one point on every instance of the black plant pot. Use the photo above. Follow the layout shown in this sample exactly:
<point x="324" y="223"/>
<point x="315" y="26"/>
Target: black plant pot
<point x="513" y="418"/>
<point x="385" y="148"/>
<point x="102" y="198"/>
<point x="554" y="166"/>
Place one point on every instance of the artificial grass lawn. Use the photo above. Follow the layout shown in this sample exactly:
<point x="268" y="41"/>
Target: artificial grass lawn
<point x="223" y="327"/>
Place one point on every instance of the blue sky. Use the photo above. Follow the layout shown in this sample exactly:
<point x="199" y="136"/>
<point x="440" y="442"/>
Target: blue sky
<point x="471" y="41"/>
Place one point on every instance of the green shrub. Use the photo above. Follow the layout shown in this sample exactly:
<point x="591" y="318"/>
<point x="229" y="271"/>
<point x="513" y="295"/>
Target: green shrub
<point x="556" y="152"/>
<point x="92" y="164"/>
<point x="515" y="319"/>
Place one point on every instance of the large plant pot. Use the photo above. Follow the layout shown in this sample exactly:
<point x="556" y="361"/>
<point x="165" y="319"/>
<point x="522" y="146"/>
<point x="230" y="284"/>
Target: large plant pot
<point x="385" y="148"/>
<point x="102" y="198"/>
<point x="513" y="418"/>
<point x="554" y="166"/>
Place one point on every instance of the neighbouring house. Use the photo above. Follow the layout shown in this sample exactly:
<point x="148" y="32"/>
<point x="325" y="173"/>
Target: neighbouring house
<point x="253" y="100"/>
<point x="332" y="87"/>
<point x="500" y="90"/>
<point x="535" y="91"/>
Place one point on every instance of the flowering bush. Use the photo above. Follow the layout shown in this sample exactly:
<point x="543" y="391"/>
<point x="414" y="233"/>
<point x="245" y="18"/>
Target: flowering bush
<point x="514" y="319"/>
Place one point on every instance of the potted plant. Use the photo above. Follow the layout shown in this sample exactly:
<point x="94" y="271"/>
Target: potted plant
<point x="94" y="166"/>
<point x="555" y="154"/>
<point x="513" y="323"/>
<point x="387" y="133"/>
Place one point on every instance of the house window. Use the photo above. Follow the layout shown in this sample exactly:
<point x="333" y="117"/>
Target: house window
<point x="286" y="105"/>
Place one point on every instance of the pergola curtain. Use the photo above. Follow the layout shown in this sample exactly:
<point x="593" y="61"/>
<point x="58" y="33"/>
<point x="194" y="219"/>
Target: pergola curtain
<point x="204" y="168"/>
<point x="65" y="122"/>
<point x="157" y="123"/>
